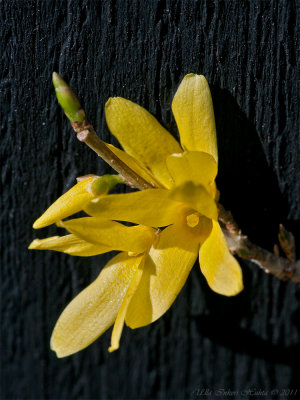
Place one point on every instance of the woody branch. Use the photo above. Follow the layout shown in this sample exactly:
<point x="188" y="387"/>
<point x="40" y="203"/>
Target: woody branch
<point x="284" y="268"/>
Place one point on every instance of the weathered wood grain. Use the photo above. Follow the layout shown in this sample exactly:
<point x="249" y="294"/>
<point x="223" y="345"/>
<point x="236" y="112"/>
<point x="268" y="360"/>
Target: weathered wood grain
<point x="140" y="50"/>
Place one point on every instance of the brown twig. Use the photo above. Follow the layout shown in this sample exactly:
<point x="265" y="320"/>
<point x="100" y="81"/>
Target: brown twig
<point x="287" y="243"/>
<point x="239" y="244"/>
<point x="86" y="134"/>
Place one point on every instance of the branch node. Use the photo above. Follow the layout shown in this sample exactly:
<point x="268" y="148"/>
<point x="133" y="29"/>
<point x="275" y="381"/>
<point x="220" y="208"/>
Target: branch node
<point x="287" y="243"/>
<point x="239" y="244"/>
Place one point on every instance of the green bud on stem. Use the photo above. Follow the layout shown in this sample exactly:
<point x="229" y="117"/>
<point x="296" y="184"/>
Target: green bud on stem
<point x="67" y="99"/>
<point x="104" y="184"/>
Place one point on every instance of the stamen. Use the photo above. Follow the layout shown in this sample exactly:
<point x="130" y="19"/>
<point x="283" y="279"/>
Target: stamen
<point x="192" y="220"/>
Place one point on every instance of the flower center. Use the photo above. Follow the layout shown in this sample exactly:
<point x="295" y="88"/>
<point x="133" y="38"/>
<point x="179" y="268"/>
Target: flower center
<point x="192" y="220"/>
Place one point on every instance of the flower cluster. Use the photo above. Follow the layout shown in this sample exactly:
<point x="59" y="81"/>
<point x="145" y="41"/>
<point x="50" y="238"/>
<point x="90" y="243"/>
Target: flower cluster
<point x="172" y="224"/>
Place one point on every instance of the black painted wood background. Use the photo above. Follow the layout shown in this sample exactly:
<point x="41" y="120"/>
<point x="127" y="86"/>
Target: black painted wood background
<point x="141" y="49"/>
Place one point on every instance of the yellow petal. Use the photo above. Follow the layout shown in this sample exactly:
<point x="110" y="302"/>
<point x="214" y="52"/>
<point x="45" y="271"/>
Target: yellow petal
<point x="111" y="234"/>
<point x="212" y="189"/>
<point x="164" y="274"/>
<point x="69" y="203"/>
<point x="69" y="244"/>
<point x="221" y="270"/>
<point x="141" y="136"/>
<point x="194" y="114"/>
<point x="151" y="207"/>
<point x="197" y="197"/>
<point x="95" y="309"/>
<point x="135" y="165"/>
<point x="119" y="323"/>
<point x="200" y="168"/>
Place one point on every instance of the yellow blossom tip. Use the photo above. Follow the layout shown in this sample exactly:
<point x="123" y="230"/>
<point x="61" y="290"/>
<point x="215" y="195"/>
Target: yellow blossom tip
<point x="199" y="76"/>
<point x="192" y="107"/>
<point x="58" y="355"/>
<point x="192" y="75"/>
<point x="36" y="224"/>
<point x="112" y="100"/>
<point x="34" y="244"/>
<point x="108" y="102"/>
<point x="60" y="352"/>
<point x="111" y="349"/>
<point x="239" y="289"/>
<point x="39" y="223"/>
<point x="57" y="352"/>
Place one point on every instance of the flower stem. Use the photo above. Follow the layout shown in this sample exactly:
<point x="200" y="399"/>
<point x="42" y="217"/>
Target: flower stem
<point x="86" y="134"/>
<point x="239" y="244"/>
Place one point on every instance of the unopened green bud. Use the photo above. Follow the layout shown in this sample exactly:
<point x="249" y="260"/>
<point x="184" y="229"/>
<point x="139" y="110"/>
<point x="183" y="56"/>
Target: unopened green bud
<point x="67" y="99"/>
<point x="104" y="184"/>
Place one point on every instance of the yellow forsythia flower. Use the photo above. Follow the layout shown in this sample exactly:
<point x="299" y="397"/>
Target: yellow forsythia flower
<point x="185" y="203"/>
<point x="138" y="287"/>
